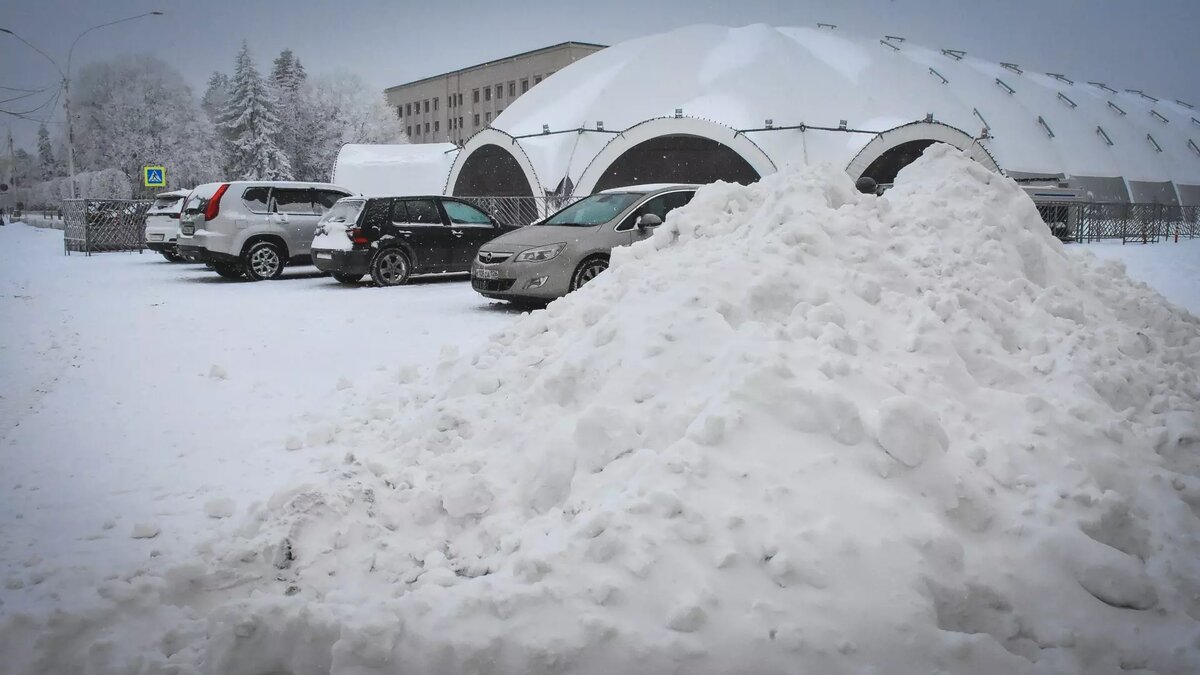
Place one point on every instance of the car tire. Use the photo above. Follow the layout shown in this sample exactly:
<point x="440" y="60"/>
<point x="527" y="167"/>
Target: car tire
<point x="264" y="260"/>
<point x="587" y="270"/>
<point x="228" y="271"/>
<point x="349" y="279"/>
<point x="172" y="256"/>
<point x="390" y="267"/>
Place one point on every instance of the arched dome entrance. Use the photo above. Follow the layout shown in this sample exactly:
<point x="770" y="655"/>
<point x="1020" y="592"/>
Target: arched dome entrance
<point x="896" y="148"/>
<point x="675" y="150"/>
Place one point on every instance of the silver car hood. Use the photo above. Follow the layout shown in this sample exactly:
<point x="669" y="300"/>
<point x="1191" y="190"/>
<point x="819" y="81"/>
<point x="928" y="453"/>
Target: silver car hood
<point x="538" y="235"/>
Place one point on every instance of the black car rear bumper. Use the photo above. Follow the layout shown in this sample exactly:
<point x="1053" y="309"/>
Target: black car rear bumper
<point x="342" y="262"/>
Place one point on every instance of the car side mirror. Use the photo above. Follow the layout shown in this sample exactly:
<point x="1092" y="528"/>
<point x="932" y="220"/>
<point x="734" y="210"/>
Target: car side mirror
<point x="648" y="220"/>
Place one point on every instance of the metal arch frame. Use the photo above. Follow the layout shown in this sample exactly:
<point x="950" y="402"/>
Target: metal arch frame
<point x="503" y="140"/>
<point x="657" y="127"/>
<point x="921" y="131"/>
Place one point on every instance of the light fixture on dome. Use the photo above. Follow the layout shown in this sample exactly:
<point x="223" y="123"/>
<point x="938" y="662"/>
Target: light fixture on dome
<point x="929" y="118"/>
<point x="600" y="125"/>
<point x="769" y="123"/>
<point x="679" y="112"/>
<point x="545" y="128"/>
<point x="842" y="125"/>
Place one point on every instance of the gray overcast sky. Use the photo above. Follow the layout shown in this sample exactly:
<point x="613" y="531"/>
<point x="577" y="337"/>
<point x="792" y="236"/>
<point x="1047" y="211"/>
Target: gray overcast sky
<point x="1141" y="44"/>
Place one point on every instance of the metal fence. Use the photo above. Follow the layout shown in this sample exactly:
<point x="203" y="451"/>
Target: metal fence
<point x="521" y="210"/>
<point x="99" y="225"/>
<point x="1141" y="223"/>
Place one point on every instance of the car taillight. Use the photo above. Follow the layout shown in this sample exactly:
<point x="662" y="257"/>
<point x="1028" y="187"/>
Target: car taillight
<point x="356" y="235"/>
<point x="214" y="203"/>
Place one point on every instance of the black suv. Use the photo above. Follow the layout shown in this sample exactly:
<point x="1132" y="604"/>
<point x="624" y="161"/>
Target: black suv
<point x="392" y="238"/>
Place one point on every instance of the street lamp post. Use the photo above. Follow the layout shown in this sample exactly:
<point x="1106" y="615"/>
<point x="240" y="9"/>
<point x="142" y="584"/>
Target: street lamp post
<point x="66" y="87"/>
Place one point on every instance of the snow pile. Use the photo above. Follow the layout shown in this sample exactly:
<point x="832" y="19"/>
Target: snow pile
<point x="799" y="429"/>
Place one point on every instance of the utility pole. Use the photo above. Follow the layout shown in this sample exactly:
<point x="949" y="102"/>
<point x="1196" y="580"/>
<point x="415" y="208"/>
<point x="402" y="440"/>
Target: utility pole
<point x="11" y="182"/>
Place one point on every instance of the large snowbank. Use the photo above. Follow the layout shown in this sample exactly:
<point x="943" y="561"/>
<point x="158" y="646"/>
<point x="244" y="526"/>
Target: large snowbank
<point x="799" y="429"/>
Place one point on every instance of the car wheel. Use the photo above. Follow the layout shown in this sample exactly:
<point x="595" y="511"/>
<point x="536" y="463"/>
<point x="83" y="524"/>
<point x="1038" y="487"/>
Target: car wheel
<point x="228" y="271"/>
<point x="587" y="271"/>
<point x="389" y="267"/>
<point x="347" y="278"/>
<point x="264" y="260"/>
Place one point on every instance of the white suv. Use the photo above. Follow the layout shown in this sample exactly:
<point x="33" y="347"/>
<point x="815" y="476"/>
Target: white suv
<point x="253" y="228"/>
<point x="162" y="223"/>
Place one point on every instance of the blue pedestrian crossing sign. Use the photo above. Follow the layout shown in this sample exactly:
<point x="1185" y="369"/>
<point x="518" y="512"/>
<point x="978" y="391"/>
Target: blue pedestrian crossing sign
<point x="154" y="176"/>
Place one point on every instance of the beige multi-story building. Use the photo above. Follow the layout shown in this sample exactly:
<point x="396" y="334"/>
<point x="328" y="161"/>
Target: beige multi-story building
<point x="453" y="106"/>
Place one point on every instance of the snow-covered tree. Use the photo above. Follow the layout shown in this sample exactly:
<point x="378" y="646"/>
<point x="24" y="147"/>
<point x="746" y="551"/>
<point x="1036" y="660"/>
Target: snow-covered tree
<point x="47" y="163"/>
<point x="216" y="95"/>
<point x="297" y="116"/>
<point x="251" y="125"/>
<point x="134" y="111"/>
<point x="347" y="110"/>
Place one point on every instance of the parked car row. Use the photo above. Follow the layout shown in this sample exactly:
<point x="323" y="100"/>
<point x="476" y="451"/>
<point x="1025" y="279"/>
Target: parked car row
<point x="254" y="229"/>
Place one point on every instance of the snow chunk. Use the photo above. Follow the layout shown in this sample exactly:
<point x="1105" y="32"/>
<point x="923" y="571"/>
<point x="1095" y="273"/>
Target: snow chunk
<point x="144" y="531"/>
<point x="909" y="431"/>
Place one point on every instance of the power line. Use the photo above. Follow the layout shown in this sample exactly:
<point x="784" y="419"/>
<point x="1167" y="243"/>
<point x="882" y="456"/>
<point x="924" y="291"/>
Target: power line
<point x="18" y="98"/>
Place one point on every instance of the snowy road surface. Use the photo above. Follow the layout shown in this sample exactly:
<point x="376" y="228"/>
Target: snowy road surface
<point x="136" y="393"/>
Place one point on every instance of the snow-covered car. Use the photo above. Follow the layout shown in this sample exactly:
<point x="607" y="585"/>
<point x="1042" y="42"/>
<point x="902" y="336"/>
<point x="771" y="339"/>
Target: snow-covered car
<point x="162" y="223"/>
<point x="391" y="238"/>
<point x="253" y="228"/>
<point x="555" y="256"/>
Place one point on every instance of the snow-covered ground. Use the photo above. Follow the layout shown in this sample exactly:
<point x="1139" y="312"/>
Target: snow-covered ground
<point x="901" y="435"/>
<point x="135" y="392"/>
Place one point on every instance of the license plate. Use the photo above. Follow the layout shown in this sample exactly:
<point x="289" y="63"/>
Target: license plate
<point x="156" y="237"/>
<point x="487" y="274"/>
<point x="187" y="229"/>
<point x="325" y="256"/>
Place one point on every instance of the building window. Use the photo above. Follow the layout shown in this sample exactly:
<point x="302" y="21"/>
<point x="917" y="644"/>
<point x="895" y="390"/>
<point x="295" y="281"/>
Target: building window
<point x="460" y="99"/>
<point x="400" y="111"/>
<point x="537" y="79"/>
<point x="407" y="108"/>
<point x="427" y="127"/>
<point x="476" y="119"/>
<point x="524" y="85"/>
<point x="437" y="126"/>
<point x="408" y="131"/>
<point x="475" y="96"/>
<point x="487" y="93"/>
<point x="435" y="104"/>
<point x="488" y="117"/>
<point x="499" y="91"/>
<point x="512" y="89"/>
<point x="460" y="123"/>
<point x="426" y="105"/>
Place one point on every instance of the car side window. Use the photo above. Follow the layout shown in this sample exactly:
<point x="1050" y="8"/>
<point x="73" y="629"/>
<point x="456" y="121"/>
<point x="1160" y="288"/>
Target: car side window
<point x="323" y="200"/>
<point x="423" y="211"/>
<point x="292" y="201"/>
<point x="399" y="211"/>
<point x="255" y="199"/>
<point x="659" y="206"/>
<point x="465" y="214"/>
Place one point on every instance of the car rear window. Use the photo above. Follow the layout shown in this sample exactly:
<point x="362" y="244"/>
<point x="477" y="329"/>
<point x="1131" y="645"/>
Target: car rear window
<point x="164" y="203"/>
<point x="255" y="199"/>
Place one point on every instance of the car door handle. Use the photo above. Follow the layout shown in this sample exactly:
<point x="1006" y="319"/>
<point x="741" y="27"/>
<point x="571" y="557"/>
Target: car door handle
<point x="404" y="232"/>
<point x="457" y="233"/>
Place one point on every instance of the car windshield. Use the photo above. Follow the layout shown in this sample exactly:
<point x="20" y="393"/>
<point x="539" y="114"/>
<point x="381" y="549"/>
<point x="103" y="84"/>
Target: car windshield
<point x="594" y="210"/>
<point x="344" y="211"/>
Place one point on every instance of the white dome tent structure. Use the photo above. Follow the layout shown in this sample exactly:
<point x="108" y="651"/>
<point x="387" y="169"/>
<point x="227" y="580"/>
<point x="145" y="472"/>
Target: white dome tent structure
<point x="706" y="103"/>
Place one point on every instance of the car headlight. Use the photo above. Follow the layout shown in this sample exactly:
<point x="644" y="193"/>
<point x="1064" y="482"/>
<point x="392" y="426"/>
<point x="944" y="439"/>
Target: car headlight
<point x="541" y="254"/>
